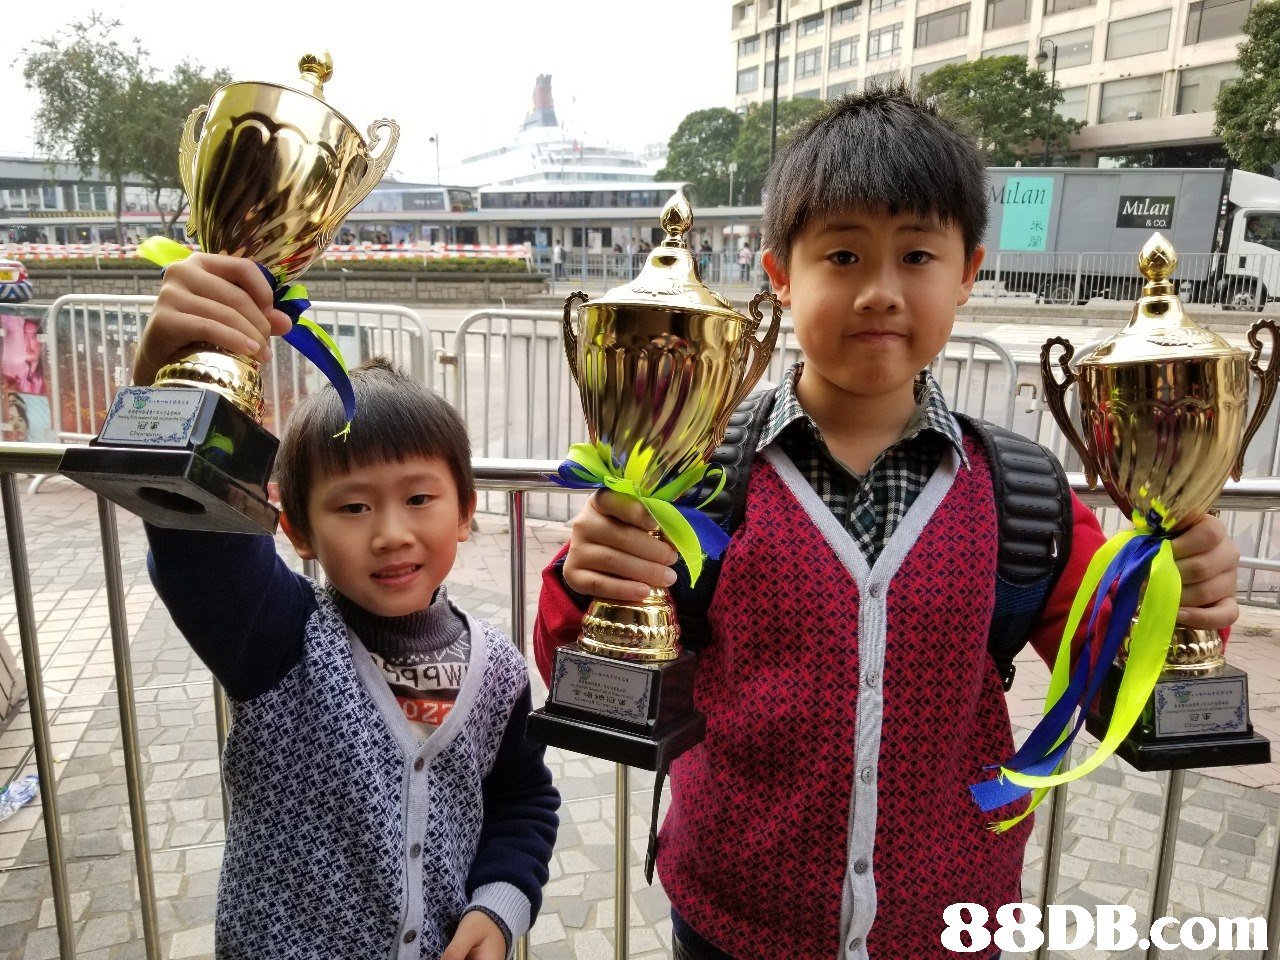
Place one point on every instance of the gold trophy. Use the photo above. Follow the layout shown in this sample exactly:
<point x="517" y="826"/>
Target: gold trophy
<point x="661" y="364"/>
<point x="1163" y="411"/>
<point x="271" y="176"/>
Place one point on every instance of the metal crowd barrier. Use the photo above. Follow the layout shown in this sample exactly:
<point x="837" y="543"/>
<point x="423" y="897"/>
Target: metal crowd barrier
<point x="516" y="479"/>
<point x="92" y="340"/>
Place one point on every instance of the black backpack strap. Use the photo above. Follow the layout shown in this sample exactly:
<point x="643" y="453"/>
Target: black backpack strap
<point x="735" y="456"/>
<point x="1034" y="523"/>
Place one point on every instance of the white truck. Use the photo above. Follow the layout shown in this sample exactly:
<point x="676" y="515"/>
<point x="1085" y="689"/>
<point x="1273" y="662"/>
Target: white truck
<point x="1066" y="235"/>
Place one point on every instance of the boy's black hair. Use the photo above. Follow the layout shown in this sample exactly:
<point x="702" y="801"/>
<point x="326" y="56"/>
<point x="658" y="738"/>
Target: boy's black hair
<point x="396" y="418"/>
<point x="884" y="147"/>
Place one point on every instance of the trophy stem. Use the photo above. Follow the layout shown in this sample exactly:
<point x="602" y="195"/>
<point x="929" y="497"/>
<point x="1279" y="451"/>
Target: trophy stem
<point x="646" y="632"/>
<point x="1191" y="653"/>
<point x="210" y="368"/>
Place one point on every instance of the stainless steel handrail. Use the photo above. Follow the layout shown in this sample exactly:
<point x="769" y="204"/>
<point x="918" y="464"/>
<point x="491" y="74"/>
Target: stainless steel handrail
<point x="516" y="478"/>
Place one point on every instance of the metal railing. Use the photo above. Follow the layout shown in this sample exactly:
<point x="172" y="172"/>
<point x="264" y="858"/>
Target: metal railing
<point x="517" y="480"/>
<point x="92" y="341"/>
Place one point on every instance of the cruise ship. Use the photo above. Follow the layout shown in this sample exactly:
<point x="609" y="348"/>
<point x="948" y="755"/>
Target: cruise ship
<point x="542" y="151"/>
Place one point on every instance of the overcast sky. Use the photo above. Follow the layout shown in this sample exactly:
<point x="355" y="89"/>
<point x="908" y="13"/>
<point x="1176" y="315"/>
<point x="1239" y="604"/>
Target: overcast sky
<point x="622" y="73"/>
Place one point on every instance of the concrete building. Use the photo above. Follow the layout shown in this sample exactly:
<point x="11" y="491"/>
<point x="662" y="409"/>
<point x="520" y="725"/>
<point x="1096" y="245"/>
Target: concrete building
<point x="1141" y="74"/>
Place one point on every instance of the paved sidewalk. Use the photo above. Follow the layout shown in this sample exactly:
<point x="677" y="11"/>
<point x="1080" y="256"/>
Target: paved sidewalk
<point x="1224" y="855"/>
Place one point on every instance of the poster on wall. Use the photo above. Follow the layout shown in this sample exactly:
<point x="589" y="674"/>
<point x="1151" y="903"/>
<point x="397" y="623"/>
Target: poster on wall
<point x="24" y="388"/>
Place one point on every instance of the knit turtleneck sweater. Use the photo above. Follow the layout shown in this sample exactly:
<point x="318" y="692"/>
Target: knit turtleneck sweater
<point x="423" y="656"/>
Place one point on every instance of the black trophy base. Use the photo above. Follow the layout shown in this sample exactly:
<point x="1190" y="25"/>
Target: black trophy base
<point x="638" y="714"/>
<point x="1188" y="723"/>
<point x="181" y="458"/>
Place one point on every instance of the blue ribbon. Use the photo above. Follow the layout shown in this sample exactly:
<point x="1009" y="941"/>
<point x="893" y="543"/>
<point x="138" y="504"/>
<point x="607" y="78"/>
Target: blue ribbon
<point x="1048" y="744"/>
<point x="711" y="538"/>
<point x="303" y="339"/>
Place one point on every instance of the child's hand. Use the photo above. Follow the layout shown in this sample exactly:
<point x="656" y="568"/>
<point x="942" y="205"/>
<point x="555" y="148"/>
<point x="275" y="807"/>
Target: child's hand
<point x="208" y="298"/>
<point x="1208" y="560"/>
<point x="611" y="554"/>
<point x="478" y="938"/>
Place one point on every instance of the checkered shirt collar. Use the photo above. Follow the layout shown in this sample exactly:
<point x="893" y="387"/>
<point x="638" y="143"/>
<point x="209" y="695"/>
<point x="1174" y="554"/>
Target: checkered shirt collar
<point x="931" y="413"/>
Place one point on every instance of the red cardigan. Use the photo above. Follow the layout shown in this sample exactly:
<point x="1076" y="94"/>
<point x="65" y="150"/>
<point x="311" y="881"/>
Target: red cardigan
<point x="759" y="842"/>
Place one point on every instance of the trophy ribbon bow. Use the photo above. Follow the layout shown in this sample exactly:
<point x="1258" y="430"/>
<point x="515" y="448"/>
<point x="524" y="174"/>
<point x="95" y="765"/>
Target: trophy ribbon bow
<point x="305" y="335"/>
<point x="1118" y="571"/>
<point x="689" y="530"/>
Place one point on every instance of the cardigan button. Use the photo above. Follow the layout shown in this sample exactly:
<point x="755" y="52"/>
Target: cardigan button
<point x="876" y="589"/>
<point x="866" y="775"/>
<point x="415" y="851"/>
<point x="855" y="943"/>
<point x="418" y="765"/>
<point x="410" y="936"/>
<point x="873" y="679"/>
<point x="860" y="867"/>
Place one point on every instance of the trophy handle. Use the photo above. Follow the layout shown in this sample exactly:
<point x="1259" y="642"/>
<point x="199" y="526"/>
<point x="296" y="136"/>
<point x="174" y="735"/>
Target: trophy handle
<point x="1055" y="394"/>
<point x="759" y="353"/>
<point x="373" y="172"/>
<point x="187" y="158"/>
<point x="570" y="338"/>
<point x="1266" y="385"/>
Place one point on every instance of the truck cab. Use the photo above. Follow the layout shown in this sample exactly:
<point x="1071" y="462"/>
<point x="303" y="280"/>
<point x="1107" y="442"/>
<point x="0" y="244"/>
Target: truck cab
<point x="1250" y="268"/>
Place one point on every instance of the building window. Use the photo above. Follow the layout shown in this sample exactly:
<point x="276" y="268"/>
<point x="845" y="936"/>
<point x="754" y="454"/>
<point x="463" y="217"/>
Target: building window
<point x="1148" y="33"/>
<point x="1130" y="99"/>
<point x="1061" y="6"/>
<point x="878" y="5"/>
<point x="1198" y="87"/>
<point x="748" y="79"/>
<point x="844" y="53"/>
<point x="883" y="81"/>
<point x="942" y="26"/>
<point x="49" y="198"/>
<point x="1074" y="105"/>
<point x="1074" y="48"/>
<point x="814" y="94"/>
<point x="741" y="11"/>
<point x="837" y="90"/>
<point x="1006" y="13"/>
<point x="885" y="42"/>
<point x="749" y="45"/>
<point x="845" y="13"/>
<point x="811" y="25"/>
<point x="784" y="65"/>
<point x="809" y="63"/>
<point x="768" y="36"/>
<point x="1009" y="50"/>
<point x="927" y="68"/>
<point x="1215" y="19"/>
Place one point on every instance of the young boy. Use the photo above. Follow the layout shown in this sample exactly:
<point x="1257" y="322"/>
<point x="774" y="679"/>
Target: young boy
<point x="384" y="800"/>
<point x="849" y="696"/>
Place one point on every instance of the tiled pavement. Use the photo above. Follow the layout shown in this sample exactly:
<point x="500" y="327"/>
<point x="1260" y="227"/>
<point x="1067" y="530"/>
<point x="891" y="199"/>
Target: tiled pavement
<point x="1224" y="853"/>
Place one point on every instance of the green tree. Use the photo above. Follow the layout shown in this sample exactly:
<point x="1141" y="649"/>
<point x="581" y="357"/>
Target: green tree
<point x="1248" y="109"/>
<point x="162" y="108"/>
<point x="699" y="152"/>
<point x="101" y="107"/>
<point x="1004" y="104"/>
<point x="751" y="152"/>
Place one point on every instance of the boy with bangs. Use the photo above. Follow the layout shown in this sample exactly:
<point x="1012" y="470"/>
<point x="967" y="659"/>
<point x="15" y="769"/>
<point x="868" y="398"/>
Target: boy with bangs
<point x="384" y="799"/>
<point x="849" y="695"/>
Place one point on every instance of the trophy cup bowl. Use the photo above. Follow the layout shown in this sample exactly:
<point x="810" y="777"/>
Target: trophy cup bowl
<point x="1164" y="422"/>
<point x="660" y="364"/>
<point x="270" y="175"/>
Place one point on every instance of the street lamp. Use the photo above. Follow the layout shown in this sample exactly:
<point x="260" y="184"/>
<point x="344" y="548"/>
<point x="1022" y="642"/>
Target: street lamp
<point x="434" y="138"/>
<point x="733" y="168"/>
<point x="1041" y="57"/>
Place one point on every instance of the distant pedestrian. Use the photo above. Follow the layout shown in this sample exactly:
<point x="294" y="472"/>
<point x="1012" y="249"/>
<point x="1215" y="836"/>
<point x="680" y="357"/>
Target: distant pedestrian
<point x="704" y="257"/>
<point x="557" y="259"/>
<point x="745" y="257"/>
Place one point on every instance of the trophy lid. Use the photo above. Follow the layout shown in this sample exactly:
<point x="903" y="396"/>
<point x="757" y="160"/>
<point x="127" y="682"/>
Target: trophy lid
<point x="670" y="278"/>
<point x="1159" y="329"/>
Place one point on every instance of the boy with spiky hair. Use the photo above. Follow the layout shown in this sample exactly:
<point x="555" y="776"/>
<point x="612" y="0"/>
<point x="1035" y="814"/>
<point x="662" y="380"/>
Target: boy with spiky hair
<point x="384" y="799"/>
